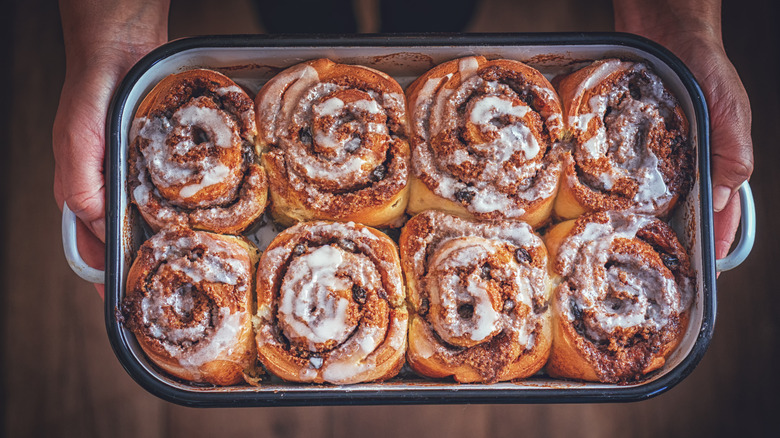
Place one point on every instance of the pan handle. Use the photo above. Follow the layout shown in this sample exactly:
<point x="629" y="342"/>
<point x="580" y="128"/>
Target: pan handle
<point x="731" y="261"/>
<point x="70" y="245"/>
<point x="748" y="235"/>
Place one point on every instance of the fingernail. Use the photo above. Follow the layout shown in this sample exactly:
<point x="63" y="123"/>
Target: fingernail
<point x="720" y="197"/>
<point x="99" y="227"/>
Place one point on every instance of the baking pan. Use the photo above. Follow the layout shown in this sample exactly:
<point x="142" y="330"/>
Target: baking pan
<point x="252" y="60"/>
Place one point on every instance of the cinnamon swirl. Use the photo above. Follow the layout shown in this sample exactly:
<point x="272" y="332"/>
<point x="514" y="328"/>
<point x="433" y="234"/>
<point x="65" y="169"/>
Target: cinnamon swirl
<point x="621" y="305"/>
<point x="631" y="149"/>
<point x="482" y="140"/>
<point x="336" y="144"/>
<point x="479" y="298"/>
<point x="330" y="300"/>
<point x="193" y="158"/>
<point x="188" y="302"/>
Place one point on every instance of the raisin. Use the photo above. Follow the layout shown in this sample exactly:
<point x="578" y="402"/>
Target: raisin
<point x="579" y="324"/>
<point x="299" y="249"/>
<point x="670" y="261"/>
<point x="196" y="253"/>
<point x="576" y="312"/>
<point x="464" y="196"/>
<point x="466" y="311"/>
<point x="424" y="306"/>
<point x="199" y="136"/>
<point x="633" y="89"/>
<point x="541" y="308"/>
<point x="359" y="294"/>
<point x="305" y="135"/>
<point x="522" y="255"/>
<point x="509" y="305"/>
<point x="379" y="173"/>
<point x="485" y="272"/>
<point x="352" y="145"/>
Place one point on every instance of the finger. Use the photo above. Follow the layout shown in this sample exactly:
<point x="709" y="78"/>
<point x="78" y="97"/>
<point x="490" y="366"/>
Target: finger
<point x="726" y="224"/>
<point x="101" y="290"/>
<point x="732" y="164"/>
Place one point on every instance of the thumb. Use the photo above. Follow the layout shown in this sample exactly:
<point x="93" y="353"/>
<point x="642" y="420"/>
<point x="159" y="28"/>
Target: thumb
<point x="732" y="164"/>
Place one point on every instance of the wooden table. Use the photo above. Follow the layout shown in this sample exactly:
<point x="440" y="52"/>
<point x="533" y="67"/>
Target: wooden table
<point x="60" y="377"/>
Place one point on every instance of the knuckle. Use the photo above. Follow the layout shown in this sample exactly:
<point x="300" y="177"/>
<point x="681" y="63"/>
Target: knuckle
<point x="741" y="169"/>
<point x="735" y="169"/>
<point x="87" y="205"/>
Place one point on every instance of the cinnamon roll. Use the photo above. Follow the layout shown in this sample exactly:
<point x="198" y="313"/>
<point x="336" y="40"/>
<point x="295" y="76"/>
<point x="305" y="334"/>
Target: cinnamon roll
<point x="478" y="295"/>
<point x="482" y="140"/>
<point x="330" y="305"/>
<point x="193" y="157"/>
<point x="621" y="304"/>
<point x="631" y="149"/>
<point x="336" y="144"/>
<point x="189" y="304"/>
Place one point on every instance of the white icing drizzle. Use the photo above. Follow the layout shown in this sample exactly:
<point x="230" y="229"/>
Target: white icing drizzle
<point x="189" y="164"/>
<point x="162" y="212"/>
<point x="211" y="176"/>
<point x="330" y="137"/>
<point x="206" y="337"/>
<point x="450" y="294"/>
<point x="310" y="304"/>
<point x="217" y="345"/>
<point x="624" y="135"/>
<point x="165" y="162"/>
<point x="621" y="289"/>
<point x="316" y="304"/>
<point x="219" y="124"/>
<point x="509" y="151"/>
<point x="449" y="263"/>
<point x="468" y="67"/>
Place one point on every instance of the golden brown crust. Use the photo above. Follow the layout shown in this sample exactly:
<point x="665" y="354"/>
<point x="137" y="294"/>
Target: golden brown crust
<point x="335" y="141"/>
<point x="478" y="296"/>
<point x="630" y="146"/>
<point x="482" y="140"/>
<point x="623" y="289"/>
<point x="331" y="305"/>
<point x="189" y="304"/>
<point x="193" y="158"/>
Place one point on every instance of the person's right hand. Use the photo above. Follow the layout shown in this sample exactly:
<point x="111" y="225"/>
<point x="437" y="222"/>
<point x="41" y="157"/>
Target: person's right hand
<point x="102" y="42"/>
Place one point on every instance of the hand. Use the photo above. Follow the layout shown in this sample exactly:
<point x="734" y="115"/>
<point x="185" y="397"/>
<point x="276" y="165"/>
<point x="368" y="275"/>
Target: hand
<point x="730" y="138"/>
<point x="102" y="42"/>
<point x="691" y="30"/>
<point x="78" y="139"/>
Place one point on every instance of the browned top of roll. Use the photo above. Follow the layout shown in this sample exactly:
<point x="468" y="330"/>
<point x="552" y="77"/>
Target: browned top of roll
<point x="335" y="135"/>
<point x="627" y="286"/>
<point x="631" y="146"/>
<point x="483" y="134"/>
<point x="187" y="296"/>
<point x="192" y="154"/>
<point x="331" y="304"/>
<point x="482" y="290"/>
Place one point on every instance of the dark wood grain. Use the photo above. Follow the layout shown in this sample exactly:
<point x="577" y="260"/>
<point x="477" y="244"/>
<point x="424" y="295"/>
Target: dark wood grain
<point x="60" y="377"/>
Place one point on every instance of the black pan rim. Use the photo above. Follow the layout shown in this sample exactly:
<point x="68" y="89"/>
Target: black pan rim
<point x="454" y="394"/>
